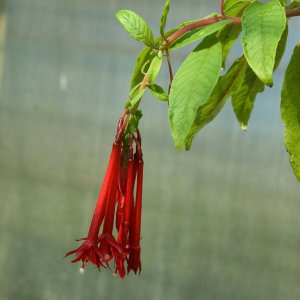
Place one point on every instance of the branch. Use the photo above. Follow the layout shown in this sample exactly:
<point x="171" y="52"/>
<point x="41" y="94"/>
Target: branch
<point x="170" y="69"/>
<point x="293" y="13"/>
<point x="204" y="22"/>
<point x="222" y="7"/>
<point x="180" y="32"/>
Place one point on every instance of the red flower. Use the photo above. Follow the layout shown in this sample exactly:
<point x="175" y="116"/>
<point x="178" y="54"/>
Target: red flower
<point x="123" y="172"/>
<point x="128" y="202"/>
<point x="89" y="250"/>
<point x="134" y="262"/>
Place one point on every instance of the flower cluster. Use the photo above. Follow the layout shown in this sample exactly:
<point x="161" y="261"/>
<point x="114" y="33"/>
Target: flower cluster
<point x="119" y="203"/>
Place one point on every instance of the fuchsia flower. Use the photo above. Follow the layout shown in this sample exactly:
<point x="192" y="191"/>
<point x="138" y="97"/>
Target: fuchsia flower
<point x="117" y="204"/>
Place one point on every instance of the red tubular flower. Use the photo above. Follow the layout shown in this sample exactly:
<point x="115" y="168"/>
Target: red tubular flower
<point x="89" y="250"/>
<point x="123" y="172"/>
<point x="120" y="210"/>
<point x="123" y="233"/>
<point x="134" y="262"/>
<point x="122" y="189"/>
<point x="108" y="246"/>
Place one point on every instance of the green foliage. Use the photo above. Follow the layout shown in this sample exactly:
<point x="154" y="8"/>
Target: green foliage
<point x="294" y="4"/>
<point x="132" y="125"/>
<point x="243" y="99"/>
<point x="281" y="47"/>
<point x="227" y="84"/>
<point x="139" y="89"/>
<point x="163" y="18"/>
<point x="228" y="37"/>
<point x="158" y="92"/>
<point x="263" y="25"/>
<point x="197" y="92"/>
<point x="283" y="2"/>
<point x="135" y="99"/>
<point x="235" y="8"/>
<point x="136" y="26"/>
<point x="191" y="87"/>
<point x="197" y="34"/>
<point x="290" y="110"/>
<point x="143" y="59"/>
<point x="154" y="68"/>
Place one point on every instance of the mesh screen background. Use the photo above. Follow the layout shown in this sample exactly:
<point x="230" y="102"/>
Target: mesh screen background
<point x="219" y="222"/>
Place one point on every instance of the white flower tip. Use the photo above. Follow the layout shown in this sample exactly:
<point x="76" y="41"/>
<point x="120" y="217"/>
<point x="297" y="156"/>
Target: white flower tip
<point x="81" y="270"/>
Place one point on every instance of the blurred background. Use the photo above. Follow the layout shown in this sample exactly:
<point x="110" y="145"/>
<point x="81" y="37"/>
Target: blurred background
<point x="221" y="221"/>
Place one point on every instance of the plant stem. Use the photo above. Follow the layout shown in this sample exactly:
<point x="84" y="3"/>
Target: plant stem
<point x="177" y="34"/>
<point x="204" y="22"/>
<point x="170" y="69"/>
<point x="293" y="13"/>
<point x="234" y="20"/>
<point x="222" y="7"/>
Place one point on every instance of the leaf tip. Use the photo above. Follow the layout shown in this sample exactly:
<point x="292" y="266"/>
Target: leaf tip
<point x="244" y="127"/>
<point x="178" y="146"/>
<point x="119" y="13"/>
<point x="267" y="79"/>
<point x="187" y="146"/>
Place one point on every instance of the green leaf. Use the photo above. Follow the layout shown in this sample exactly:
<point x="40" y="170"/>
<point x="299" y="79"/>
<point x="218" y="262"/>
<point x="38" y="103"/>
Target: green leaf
<point x="134" y="90"/>
<point x="146" y="55"/>
<point x="281" y="47"/>
<point x="136" y="26"/>
<point x="135" y="99"/>
<point x="230" y="33"/>
<point x="139" y="114"/>
<point x="290" y="110"/>
<point x="163" y="18"/>
<point x="154" y="67"/>
<point x="263" y="25"/>
<point x="139" y="89"/>
<point x="158" y="92"/>
<point x="228" y="37"/>
<point x="192" y="86"/>
<point x="132" y="125"/>
<point x="234" y="8"/>
<point x="243" y="99"/>
<point x="197" y="34"/>
<point x="226" y="85"/>
<point x="283" y="2"/>
<point x="294" y="4"/>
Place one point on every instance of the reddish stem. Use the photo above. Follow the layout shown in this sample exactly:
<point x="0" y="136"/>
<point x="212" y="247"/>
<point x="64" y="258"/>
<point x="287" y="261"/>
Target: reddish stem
<point x="234" y="20"/>
<point x="121" y="129"/>
<point x="222" y="7"/>
<point x="293" y="13"/>
<point x="170" y="69"/>
<point x="177" y="34"/>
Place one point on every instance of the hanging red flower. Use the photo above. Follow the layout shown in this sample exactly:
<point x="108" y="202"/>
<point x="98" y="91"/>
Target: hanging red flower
<point x="117" y="205"/>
